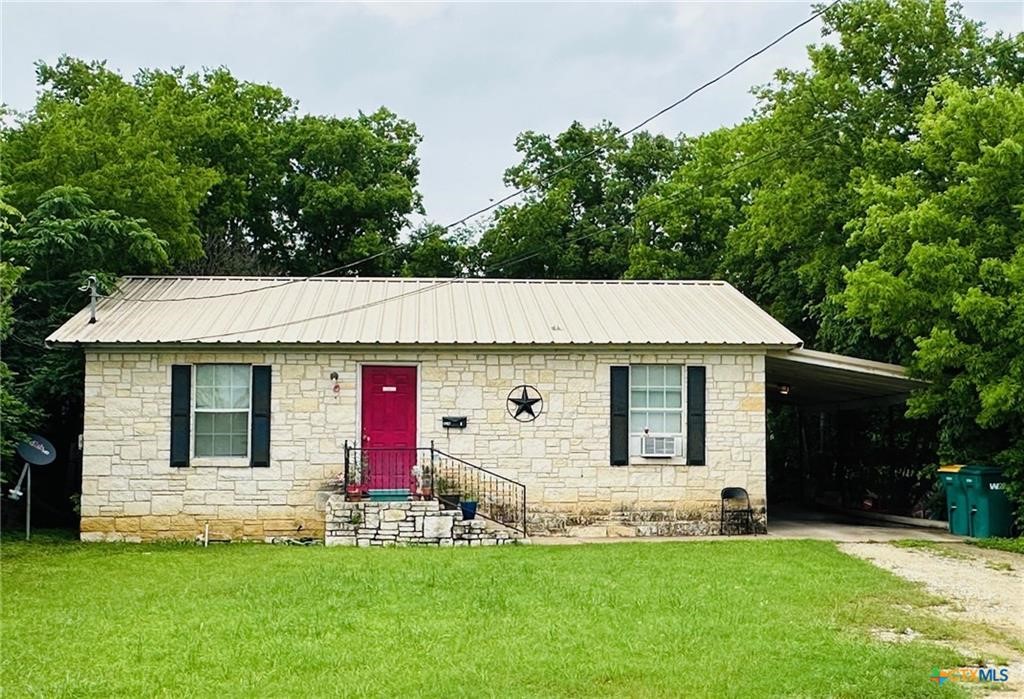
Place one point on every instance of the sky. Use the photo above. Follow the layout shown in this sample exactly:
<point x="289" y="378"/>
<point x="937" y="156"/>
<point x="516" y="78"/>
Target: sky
<point x="472" y="76"/>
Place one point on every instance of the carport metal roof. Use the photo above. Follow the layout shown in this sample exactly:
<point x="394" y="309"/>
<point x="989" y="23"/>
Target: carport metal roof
<point x="834" y="381"/>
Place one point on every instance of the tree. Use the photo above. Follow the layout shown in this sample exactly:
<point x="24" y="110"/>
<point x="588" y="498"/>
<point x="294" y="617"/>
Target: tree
<point x="16" y="417"/>
<point x="61" y="242"/>
<point x="871" y="203"/>
<point x="683" y="221"/>
<point x="223" y="170"/>
<point x="348" y="188"/>
<point x="91" y="129"/>
<point x="577" y="220"/>
<point x="233" y="128"/>
<point x="431" y="251"/>
<point x="945" y="276"/>
<point x="768" y="201"/>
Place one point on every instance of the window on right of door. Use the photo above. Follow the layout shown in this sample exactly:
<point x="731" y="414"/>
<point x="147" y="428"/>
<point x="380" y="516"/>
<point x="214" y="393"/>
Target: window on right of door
<point x="656" y="409"/>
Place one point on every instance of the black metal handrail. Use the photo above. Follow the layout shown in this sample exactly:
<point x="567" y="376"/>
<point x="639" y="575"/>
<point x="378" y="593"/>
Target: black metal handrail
<point x="384" y="468"/>
<point x="429" y="473"/>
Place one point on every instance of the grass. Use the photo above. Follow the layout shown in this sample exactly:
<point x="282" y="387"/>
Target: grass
<point x="931" y="546"/>
<point x="695" y="619"/>
<point x="999" y="565"/>
<point x="1011" y="545"/>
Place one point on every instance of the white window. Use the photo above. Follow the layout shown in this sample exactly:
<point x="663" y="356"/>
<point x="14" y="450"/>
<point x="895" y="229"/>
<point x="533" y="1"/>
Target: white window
<point x="223" y="403"/>
<point x="656" y="403"/>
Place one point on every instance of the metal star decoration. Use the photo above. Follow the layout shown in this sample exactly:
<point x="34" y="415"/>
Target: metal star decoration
<point x="525" y="403"/>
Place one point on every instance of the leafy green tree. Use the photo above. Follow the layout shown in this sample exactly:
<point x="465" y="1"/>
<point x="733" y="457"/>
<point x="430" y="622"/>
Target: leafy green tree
<point x="683" y="221"/>
<point x="61" y="242"/>
<point x="945" y="276"/>
<point x="765" y="204"/>
<point x="348" y="189"/>
<point x="234" y="128"/>
<point x="577" y="219"/>
<point x="91" y="129"/>
<point x="892" y="155"/>
<point x="223" y="170"/>
<point x="431" y="251"/>
<point x="16" y="417"/>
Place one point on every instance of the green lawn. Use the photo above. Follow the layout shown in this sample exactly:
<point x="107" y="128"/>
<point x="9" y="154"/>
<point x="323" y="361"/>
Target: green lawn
<point x="730" y="618"/>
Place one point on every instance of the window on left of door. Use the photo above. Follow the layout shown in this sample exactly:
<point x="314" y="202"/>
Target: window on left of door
<point x="221" y="407"/>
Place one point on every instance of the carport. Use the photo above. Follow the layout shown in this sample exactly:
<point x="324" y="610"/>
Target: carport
<point x="824" y="381"/>
<point x="838" y="439"/>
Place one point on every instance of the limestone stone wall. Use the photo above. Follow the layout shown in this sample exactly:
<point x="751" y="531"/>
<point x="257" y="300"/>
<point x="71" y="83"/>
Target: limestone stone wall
<point x="129" y="491"/>
<point x="411" y="523"/>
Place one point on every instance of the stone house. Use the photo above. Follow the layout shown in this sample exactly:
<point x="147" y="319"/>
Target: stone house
<point x="239" y="405"/>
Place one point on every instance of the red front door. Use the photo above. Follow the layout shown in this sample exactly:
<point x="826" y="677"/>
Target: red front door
<point x="389" y="426"/>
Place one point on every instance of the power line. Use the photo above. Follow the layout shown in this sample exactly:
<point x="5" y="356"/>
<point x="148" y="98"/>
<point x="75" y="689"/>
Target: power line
<point x="242" y="292"/>
<point x="378" y="302"/>
<point x="522" y="190"/>
<point x="591" y="153"/>
<point x="770" y="156"/>
<point x="778" y="152"/>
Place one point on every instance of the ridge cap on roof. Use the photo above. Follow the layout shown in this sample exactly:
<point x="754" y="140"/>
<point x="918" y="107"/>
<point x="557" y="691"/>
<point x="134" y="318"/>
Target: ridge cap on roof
<point x="426" y="280"/>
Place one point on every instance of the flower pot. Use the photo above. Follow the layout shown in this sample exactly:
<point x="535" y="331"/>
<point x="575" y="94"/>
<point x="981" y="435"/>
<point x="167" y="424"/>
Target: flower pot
<point x="468" y="508"/>
<point x="449" y="501"/>
<point x="353" y="493"/>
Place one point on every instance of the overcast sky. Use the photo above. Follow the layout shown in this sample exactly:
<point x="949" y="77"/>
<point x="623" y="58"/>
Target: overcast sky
<point x="471" y="76"/>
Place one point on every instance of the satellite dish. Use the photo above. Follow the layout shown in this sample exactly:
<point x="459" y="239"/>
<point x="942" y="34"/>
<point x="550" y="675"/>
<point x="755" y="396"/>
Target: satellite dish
<point x="37" y="451"/>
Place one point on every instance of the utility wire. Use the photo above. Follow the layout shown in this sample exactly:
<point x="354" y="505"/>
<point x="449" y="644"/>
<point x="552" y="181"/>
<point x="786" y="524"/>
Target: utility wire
<point x="522" y="190"/>
<point x="778" y="152"/>
<point x="648" y="120"/>
<point x="770" y="156"/>
<point x="370" y="304"/>
<point x="242" y="292"/>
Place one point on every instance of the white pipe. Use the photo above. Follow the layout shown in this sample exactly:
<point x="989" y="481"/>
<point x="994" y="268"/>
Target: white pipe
<point x="28" y="504"/>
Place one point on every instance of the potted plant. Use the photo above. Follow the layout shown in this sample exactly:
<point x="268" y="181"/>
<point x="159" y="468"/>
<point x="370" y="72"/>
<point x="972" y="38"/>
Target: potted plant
<point x="352" y="483"/>
<point x="353" y="492"/>
<point x="423" y="484"/>
<point x="447" y="491"/>
<point x="468" y="504"/>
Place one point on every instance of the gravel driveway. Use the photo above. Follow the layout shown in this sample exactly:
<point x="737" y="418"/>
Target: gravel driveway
<point x="981" y="586"/>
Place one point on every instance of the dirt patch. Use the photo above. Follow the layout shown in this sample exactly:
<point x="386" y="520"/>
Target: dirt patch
<point x="981" y="586"/>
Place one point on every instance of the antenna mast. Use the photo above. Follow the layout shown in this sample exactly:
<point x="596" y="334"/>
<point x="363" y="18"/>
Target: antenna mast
<point x="90" y="286"/>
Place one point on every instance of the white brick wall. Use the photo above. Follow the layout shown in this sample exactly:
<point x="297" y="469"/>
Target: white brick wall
<point x="130" y="492"/>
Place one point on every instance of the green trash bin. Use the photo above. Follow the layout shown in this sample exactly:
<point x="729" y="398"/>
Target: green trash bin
<point x="957" y="510"/>
<point x="987" y="505"/>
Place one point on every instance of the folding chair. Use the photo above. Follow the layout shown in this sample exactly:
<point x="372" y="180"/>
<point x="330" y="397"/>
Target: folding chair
<point x="736" y="510"/>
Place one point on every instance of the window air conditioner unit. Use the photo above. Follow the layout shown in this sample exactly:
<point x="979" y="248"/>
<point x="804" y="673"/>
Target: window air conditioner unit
<point x="657" y="446"/>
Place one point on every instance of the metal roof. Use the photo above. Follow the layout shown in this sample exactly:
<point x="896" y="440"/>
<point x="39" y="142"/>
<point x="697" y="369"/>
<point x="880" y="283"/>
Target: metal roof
<point x="825" y="380"/>
<point x="247" y="310"/>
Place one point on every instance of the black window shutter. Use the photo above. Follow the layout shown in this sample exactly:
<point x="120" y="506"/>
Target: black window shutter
<point x="695" y="415"/>
<point x="260" y="451"/>
<point x="620" y="416"/>
<point x="181" y="407"/>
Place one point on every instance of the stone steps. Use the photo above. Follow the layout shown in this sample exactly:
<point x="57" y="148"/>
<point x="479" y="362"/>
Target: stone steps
<point x="407" y="523"/>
